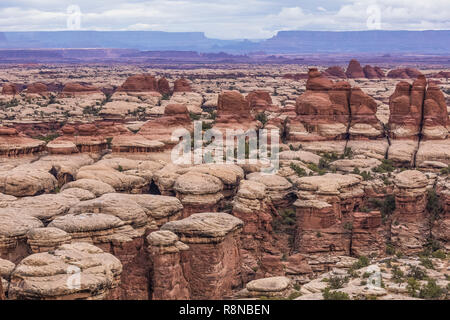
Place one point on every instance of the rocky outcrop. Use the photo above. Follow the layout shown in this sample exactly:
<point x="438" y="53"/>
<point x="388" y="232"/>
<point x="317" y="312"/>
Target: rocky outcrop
<point x="267" y="287"/>
<point x="167" y="278"/>
<point x="368" y="234"/>
<point x="406" y="107"/>
<point x="435" y="116"/>
<point x="441" y="226"/>
<point x="335" y="72"/>
<point x="74" y="89"/>
<point x="176" y="117"/>
<point x="139" y="83"/>
<point x="254" y="208"/>
<point x="163" y="86"/>
<point x="181" y="85"/>
<point x="364" y="123"/>
<point x="212" y="267"/>
<point x="410" y="227"/>
<point x="14" y="227"/>
<point x="13" y="144"/>
<point x="9" y="89"/>
<point x="278" y="189"/>
<point x="404" y="73"/>
<point x="26" y="180"/>
<point x="122" y="238"/>
<point x="324" y="213"/>
<point x="233" y="112"/>
<point x="259" y="101"/>
<point x="373" y="72"/>
<point x="322" y="111"/>
<point x="73" y="271"/>
<point x="47" y="239"/>
<point x="354" y="70"/>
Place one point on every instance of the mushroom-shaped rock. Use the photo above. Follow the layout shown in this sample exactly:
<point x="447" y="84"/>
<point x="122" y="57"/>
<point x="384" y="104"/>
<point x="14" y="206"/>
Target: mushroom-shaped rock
<point x="26" y="180"/>
<point x="207" y="227"/>
<point x="410" y="225"/>
<point x="278" y="188"/>
<point x="14" y="227"/>
<point x="198" y="192"/>
<point x="46" y="239"/>
<point x="73" y="271"/>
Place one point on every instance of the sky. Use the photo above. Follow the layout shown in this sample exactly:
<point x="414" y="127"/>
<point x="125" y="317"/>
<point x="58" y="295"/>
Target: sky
<point x="224" y="19"/>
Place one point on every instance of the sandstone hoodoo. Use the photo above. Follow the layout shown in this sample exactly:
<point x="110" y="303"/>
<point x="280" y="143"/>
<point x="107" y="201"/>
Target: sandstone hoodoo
<point x="163" y="86"/>
<point x="406" y="107"/>
<point x="37" y="88"/>
<point x="332" y="111"/>
<point x="213" y="259"/>
<point x="373" y="72"/>
<point x="354" y="70"/>
<point x="410" y="227"/>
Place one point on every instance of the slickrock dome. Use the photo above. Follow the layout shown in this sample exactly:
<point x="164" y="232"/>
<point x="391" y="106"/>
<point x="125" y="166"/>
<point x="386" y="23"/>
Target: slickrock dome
<point x="61" y="147"/>
<point x="37" y="88"/>
<point x="328" y="184"/>
<point x="48" y="275"/>
<point x="204" y="227"/>
<point x="373" y="72"/>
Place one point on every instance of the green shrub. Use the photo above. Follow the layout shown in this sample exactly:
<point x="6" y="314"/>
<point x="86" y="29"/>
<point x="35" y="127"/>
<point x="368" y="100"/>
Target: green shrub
<point x="362" y="262"/>
<point x="334" y="295"/>
<point x="337" y="282"/>
<point x="431" y="290"/>
<point x="385" y="166"/>
<point x="445" y="171"/>
<point x="299" y="171"/>
<point x="434" y="206"/>
<point x="426" y="262"/>
<point x="416" y="273"/>
<point x="261" y="117"/>
<point x="413" y="287"/>
<point x="397" y="275"/>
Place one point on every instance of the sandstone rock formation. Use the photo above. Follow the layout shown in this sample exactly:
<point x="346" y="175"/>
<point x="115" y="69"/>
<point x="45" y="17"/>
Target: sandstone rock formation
<point x="14" y="144"/>
<point x="410" y="223"/>
<point x="336" y="72"/>
<point x="167" y="278"/>
<point x="233" y="112"/>
<point x="73" y="271"/>
<point x="354" y="70"/>
<point x="74" y="89"/>
<point x="213" y="260"/>
<point x="181" y="85"/>
<point x="176" y="117"/>
<point x="9" y="89"/>
<point x="404" y="73"/>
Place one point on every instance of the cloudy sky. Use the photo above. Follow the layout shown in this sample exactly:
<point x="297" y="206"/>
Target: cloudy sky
<point x="225" y="19"/>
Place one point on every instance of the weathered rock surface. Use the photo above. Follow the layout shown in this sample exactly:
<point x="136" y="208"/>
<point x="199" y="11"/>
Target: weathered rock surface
<point x="213" y="260"/>
<point x="73" y="271"/>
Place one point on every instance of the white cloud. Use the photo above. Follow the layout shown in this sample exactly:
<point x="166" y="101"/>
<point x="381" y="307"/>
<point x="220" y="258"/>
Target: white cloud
<point x="224" y="19"/>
